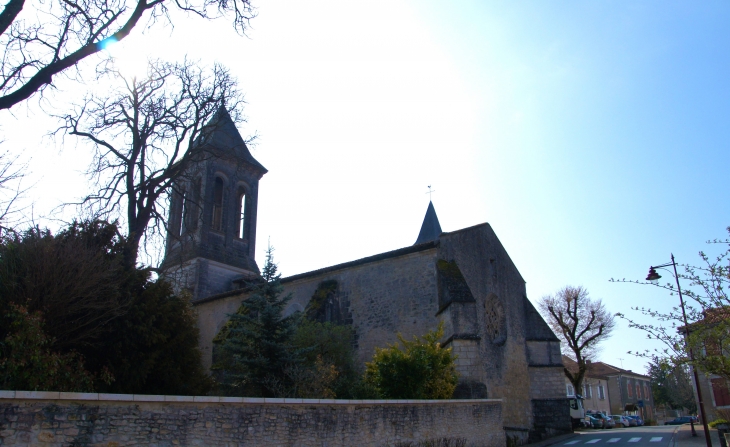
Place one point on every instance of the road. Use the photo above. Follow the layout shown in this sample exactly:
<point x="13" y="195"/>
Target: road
<point x="662" y="436"/>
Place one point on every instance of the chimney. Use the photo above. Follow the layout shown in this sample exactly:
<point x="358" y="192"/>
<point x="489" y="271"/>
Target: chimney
<point x="588" y="362"/>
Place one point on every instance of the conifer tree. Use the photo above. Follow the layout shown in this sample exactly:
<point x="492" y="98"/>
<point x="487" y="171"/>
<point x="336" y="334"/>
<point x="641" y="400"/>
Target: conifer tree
<point x="255" y="350"/>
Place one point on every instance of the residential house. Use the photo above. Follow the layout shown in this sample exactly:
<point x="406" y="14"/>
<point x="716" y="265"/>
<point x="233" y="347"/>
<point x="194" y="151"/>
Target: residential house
<point x="594" y="391"/>
<point x="625" y="391"/>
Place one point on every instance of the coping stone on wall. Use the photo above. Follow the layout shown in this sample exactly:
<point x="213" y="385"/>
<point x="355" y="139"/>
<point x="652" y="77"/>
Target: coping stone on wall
<point x="55" y="395"/>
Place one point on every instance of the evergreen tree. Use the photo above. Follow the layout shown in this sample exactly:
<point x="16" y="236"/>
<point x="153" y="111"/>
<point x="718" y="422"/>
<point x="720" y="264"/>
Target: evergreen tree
<point x="671" y="384"/>
<point x="74" y="317"/>
<point x="254" y="350"/>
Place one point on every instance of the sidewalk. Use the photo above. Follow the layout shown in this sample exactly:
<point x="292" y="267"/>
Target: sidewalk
<point x="684" y="437"/>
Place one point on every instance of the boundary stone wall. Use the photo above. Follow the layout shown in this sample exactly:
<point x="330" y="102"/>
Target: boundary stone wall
<point x="114" y="420"/>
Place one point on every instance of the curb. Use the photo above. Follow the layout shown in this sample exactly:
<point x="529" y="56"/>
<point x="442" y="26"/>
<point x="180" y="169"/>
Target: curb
<point x="553" y="441"/>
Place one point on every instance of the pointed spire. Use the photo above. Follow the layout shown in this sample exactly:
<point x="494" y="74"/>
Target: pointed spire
<point x="431" y="229"/>
<point x="225" y="137"/>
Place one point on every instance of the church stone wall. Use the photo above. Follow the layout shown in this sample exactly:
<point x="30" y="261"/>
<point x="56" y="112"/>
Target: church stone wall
<point x="115" y="420"/>
<point x="547" y="382"/>
<point x="544" y="353"/>
<point x="383" y="298"/>
<point x="212" y="315"/>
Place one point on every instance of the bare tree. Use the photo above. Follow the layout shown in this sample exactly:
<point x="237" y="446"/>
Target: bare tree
<point x="580" y="322"/>
<point x="11" y="175"/>
<point x="52" y="36"/>
<point x="145" y="136"/>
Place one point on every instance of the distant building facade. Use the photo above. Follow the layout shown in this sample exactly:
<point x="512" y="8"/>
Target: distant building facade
<point x="613" y="390"/>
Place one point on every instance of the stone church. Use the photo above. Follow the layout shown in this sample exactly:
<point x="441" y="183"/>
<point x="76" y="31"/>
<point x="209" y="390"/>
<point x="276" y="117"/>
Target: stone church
<point x="463" y="278"/>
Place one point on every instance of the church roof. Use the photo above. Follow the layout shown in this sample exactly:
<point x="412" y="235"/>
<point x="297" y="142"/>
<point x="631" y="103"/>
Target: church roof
<point x="430" y="229"/>
<point x="226" y="138"/>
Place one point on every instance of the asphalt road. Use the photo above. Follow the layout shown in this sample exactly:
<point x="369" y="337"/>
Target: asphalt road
<point x="661" y="436"/>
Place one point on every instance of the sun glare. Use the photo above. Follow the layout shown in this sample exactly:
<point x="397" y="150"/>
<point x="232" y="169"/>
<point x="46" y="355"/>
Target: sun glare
<point x="130" y="56"/>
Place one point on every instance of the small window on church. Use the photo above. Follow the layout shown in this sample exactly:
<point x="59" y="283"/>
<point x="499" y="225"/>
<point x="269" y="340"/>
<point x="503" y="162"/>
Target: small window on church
<point x="177" y="221"/>
<point x="217" y="223"/>
<point x="241" y="221"/>
<point x="191" y="203"/>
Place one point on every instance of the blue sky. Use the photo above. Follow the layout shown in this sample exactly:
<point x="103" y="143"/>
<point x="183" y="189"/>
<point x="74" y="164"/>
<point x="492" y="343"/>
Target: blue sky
<point x="592" y="136"/>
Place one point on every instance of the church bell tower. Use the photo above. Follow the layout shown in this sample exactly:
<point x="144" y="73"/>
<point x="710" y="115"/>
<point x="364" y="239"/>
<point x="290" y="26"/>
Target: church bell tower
<point x="212" y="224"/>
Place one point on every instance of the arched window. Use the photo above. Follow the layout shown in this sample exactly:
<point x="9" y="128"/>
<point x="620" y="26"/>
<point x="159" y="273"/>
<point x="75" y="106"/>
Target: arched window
<point x="241" y="219"/>
<point x="191" y="202"/>
<point x="176" y="221"/>
<point x="217" y="223"/>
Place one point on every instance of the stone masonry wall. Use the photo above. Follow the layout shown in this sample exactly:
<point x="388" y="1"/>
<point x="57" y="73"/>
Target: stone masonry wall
<point x="388" y="297"/>
<point x="552" y="418"/>
<point x="467" y="358"/>
<point x="547" y="382"/>
<point x="394" y="295"/>
<point x="86" y="419"/>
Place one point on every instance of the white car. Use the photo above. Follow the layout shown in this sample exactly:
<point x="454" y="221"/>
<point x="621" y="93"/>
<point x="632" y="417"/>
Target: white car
<point x="623" y="420"/>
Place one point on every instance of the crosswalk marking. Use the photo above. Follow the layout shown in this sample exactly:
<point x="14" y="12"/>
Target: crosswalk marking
<point x="614" y="440"/>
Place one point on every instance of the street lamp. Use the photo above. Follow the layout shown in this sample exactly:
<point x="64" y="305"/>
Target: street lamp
<point x="653" y="277"/>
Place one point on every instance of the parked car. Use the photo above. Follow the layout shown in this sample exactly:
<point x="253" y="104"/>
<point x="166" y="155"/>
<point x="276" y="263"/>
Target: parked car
<point x="607" y="420"/>
<point x="681" y="420"/>
<point x="632" y="421"/>
<point x="639" y="421"/>
<point x="621" y="420"/>
<point x="595" y="422"/>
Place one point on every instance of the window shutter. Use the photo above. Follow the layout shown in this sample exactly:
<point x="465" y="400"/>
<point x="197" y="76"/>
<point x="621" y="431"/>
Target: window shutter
<point x="720" y="391"/>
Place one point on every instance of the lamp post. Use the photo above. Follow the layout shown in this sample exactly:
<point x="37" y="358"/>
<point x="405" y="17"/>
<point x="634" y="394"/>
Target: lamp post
<point x="653" y="277"/>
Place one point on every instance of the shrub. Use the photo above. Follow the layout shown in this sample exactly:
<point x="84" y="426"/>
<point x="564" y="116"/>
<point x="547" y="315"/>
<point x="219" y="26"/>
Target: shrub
<point x="328" y="345"/>
<point x="421" y="369"/>
<point x="27" y="363"/>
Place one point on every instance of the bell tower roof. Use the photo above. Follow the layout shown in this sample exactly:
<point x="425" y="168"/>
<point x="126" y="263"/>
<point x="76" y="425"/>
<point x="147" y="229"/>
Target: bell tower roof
<point x="430" y="229"/>
<point x="225" y="137"/>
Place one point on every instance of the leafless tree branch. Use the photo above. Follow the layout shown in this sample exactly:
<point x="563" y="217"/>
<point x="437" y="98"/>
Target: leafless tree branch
<point x="40" y="42"/>
<point x="581" y="324"/>
<point x="145" y="136"/>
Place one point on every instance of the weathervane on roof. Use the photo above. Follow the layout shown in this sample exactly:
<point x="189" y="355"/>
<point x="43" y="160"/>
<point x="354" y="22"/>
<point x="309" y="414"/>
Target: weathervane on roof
<point x="430" y="191"/>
